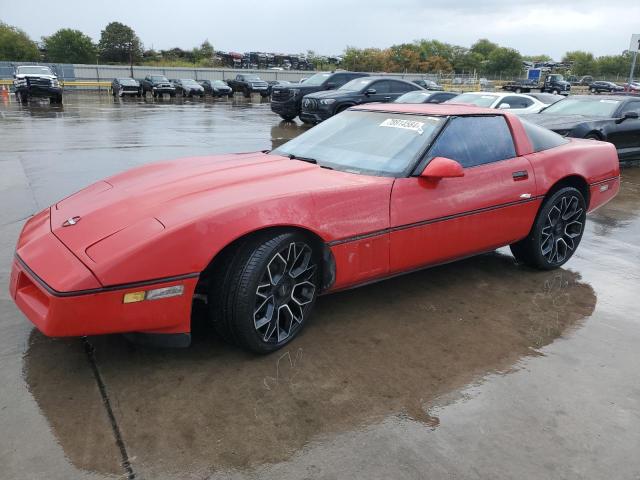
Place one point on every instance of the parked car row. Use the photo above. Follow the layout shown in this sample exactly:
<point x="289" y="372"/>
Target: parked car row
<point x="159" y="85"/>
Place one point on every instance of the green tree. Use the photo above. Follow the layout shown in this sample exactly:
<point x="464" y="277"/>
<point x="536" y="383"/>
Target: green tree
<point x="70" y="46"/>
<point x="611" y="66"/>
<point x="582" y="63"/>
<point x="15" y="45"/>
<point x="484" y="47"/>
<point x="119" y="44"/>
<point x="537" y="58"/>
<point x="505" y="61"/>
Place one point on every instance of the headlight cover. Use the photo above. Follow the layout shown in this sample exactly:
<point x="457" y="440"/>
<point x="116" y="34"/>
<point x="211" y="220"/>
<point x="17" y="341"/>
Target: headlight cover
<point x="327" y="101"/>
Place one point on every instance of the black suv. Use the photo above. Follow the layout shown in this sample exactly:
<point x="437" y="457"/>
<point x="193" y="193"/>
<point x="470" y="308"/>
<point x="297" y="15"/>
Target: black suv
<point x="286" y="100"/>
<point x="600" y="86"/>
<point x="157" y="85"/>
<point x="319" y="106"/>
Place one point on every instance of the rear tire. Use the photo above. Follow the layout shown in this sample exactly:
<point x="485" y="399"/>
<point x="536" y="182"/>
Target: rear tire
<point x="264" y="290"/>
<point x="556" y="232"/>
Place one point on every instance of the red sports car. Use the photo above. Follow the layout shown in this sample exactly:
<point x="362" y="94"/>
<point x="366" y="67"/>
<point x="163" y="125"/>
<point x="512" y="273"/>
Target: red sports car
<point x="376" y="191"/>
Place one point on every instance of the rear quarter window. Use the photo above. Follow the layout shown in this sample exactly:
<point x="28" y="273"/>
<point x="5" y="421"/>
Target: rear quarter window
<point x="541" y="138"/>
<point x="476" y="140"/>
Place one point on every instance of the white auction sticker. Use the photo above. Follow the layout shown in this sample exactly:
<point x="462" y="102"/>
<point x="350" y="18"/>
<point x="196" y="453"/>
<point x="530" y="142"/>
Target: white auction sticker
<point x="406" y="124"/>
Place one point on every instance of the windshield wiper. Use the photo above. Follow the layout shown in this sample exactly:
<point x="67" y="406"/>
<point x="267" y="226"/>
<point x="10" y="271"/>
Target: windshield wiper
<point x="304" y="159"/>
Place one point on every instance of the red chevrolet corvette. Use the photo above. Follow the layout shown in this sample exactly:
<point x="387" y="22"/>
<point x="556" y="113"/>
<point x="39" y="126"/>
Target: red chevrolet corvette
<point x="376" y="191"/>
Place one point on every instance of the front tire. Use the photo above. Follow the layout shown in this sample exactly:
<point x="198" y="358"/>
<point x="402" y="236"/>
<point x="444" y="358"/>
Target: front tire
<point x="556" y="232"/>
<point x="264" y="291"/>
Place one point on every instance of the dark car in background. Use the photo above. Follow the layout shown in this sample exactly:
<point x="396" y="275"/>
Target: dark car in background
<point x="188" y="87"/>
<point x="420" y="96"/>
<point x="216" y="88"/>
<point x="286" y="100"/>
<point x="319" y="106"/>
<point x="609" y="118"/>
<point x="125" y="86"/>
<point x="158" y="85"/>
<point x="248" y="84"/>
<point x="427" y="84"/>
<point x="601" y="86"/>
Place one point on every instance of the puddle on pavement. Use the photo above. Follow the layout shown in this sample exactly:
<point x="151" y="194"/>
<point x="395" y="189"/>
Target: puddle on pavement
<point x="384" y="351"/>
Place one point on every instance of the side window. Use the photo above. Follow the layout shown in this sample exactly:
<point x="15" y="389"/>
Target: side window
<point x="340" y="79"/>
<point x="473" y="141"/>
<point x="401" y="87"/>
<point x="631" y="107"/>
<point x="382" y="86"/>
<point x="516" y="102"/>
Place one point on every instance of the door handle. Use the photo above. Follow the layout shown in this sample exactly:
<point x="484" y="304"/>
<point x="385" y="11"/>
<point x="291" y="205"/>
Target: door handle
<point x="520" y="175"/>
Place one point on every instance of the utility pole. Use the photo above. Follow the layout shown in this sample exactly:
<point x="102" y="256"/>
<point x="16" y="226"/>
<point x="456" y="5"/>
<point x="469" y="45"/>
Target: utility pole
<point x="634" y="46"/>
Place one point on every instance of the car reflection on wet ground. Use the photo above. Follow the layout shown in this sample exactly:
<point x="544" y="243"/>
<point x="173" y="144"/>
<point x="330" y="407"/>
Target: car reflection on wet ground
<point x="476" y="369"/>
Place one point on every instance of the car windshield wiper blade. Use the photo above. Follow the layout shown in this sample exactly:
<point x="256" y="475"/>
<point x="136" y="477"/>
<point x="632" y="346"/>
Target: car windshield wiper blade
<point x="304" y="159"/>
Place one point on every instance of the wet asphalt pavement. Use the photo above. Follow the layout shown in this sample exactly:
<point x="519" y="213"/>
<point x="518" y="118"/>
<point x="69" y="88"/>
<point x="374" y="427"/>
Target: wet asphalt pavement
<point x="480" y="369"/>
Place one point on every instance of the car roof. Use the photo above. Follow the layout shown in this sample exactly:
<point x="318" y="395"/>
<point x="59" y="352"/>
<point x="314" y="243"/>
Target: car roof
<point x="429" y="109"/>
<point x="373" y="78"/>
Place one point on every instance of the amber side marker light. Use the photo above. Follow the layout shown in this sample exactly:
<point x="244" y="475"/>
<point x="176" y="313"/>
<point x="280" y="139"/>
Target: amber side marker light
<point x="155" y="294"/>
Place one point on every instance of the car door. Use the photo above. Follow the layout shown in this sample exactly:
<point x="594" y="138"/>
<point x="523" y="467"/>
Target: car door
<point x="383" y="92"/>
<point x="626" y="135"/>
<point x="490" y="206"/>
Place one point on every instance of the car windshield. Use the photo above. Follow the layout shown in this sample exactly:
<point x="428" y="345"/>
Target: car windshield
<point x="218" y="83"/>
<point x="317" y="79"/>
<point x="374" y="143"/>
<point x="413" y="97"/>
<point x="159" y="78"/>
<point x="188" y="81"/>
<point x="479" y="100"/>
<point x="34" y="70"/>
<point x="127" y="81"/>
<point x="252" y="78"/>
<point x="356" y="84"/>
<point x="583" y="106"/>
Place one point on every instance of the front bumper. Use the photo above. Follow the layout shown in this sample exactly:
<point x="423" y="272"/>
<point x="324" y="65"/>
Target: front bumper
<point x="286" y="108"/>
<point x="62" y="298"/>
<point x="42" y="91"/>
<point x="315" y="116"/>
<point x="164" y="89"/>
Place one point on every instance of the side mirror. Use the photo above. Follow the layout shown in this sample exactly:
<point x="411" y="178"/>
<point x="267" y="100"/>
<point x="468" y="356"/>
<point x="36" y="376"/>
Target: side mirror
<point x="504" y="106"/>
<point x="441" y="167"/>
<point x="370" y="91"/>
<point x="331" y="85"/>
<point x="628" y="115"/>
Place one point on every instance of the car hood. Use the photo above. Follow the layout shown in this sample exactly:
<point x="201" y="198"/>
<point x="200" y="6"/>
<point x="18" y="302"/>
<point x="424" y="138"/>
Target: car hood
<point x="143" y="202"/>
<point x="35" y="75"/>
<point x="333" y="94"/>
<point x="553" y="121"/>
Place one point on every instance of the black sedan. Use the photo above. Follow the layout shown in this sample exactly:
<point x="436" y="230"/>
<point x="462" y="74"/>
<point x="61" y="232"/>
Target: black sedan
<point x="420" y="96"/>
<point x="217" y="88"/>
<point x="427" y="84"/>
<point x="188" y="87"/>
<point x="610" y="118"/>
<point x="609" y="87"/>
<point x="319" y="106"/>
<point x="126" y="86"/>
